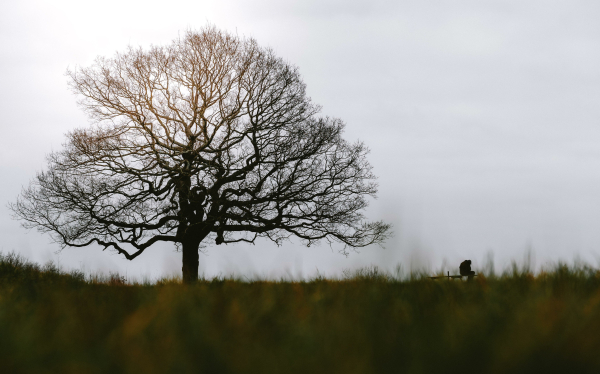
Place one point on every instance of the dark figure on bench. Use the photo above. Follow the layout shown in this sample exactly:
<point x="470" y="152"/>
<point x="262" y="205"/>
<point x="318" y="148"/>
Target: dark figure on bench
<point x="465" y="269"/>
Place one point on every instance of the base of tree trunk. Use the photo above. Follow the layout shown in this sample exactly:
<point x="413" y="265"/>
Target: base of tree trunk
<point x="190" y="262"/>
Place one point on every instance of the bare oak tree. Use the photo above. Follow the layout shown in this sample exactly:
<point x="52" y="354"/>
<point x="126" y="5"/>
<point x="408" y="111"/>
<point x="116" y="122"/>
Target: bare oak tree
<point x="209" y="138"/>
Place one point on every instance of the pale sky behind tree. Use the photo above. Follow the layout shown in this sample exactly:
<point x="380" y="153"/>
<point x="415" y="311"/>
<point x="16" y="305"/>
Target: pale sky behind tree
<point x="482" y="117"/>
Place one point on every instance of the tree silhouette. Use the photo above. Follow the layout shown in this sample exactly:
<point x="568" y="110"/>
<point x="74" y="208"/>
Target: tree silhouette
<point x="209" y="138"/>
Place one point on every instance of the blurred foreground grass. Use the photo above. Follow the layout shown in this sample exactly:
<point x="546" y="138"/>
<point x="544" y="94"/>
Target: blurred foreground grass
<point x="368" y="323"/>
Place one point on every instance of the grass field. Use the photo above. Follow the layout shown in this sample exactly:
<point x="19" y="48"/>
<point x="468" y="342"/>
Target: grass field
<point x="51" y="322"/>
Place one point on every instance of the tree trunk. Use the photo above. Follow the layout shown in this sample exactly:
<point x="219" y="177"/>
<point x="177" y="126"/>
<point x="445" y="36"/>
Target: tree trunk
<point x="190" y="261"/>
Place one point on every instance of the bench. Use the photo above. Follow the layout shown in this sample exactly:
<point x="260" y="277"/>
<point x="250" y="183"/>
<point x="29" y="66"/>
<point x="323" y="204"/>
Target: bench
<point x="453" y="276"/>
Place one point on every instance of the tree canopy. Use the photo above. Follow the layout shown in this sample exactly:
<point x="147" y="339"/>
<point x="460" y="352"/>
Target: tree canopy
<point x="210" y="138"/>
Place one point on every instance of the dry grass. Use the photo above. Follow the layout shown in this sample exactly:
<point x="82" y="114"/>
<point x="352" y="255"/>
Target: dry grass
<point x="369" y="322"/>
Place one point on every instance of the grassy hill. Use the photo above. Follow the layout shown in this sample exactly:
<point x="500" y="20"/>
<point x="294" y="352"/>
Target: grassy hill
<point x="53" y="322"/>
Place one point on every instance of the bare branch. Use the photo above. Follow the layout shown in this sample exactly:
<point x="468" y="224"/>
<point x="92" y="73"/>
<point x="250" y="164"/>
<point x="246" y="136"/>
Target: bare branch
<point x="209" y="137"/>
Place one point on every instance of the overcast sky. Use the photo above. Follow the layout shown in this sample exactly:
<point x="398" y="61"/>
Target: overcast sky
<point x="482" y="118"/>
